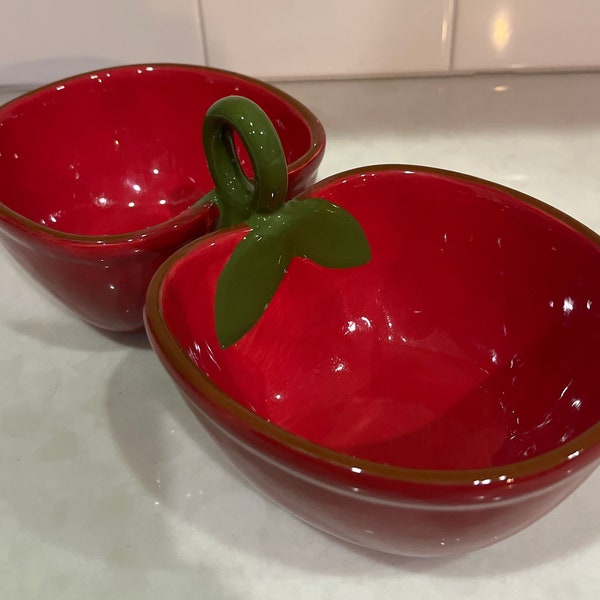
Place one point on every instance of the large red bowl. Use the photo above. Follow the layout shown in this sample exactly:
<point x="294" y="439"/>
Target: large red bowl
<point x="436" y="400"/>
<point x="100" y="175"/>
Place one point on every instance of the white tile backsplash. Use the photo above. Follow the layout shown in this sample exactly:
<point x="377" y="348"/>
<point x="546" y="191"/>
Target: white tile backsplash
<point x="532" y="34"/>
<point x="328" y="38"/>
<point x="298" y="39"/>
<point x="43" y="41"/>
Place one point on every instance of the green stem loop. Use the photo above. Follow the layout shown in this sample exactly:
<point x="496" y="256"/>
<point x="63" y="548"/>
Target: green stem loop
<point x="238" y="198"/>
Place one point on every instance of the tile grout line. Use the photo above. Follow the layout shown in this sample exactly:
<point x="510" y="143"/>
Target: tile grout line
<point x="454" y="8"/>
<point x="202" y="26"/>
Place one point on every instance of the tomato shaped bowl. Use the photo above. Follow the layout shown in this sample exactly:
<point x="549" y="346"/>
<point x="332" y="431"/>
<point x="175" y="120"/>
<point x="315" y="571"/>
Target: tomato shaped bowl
<point x="101" y="174"/>
<point x="433" y="401"/>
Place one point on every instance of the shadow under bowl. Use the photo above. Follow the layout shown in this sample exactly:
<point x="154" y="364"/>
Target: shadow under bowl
<point x="433" y="401"/>
<point x="100" y="175"/>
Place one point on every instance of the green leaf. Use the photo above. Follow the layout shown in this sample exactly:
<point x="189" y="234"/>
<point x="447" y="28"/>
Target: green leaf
<point x="326" y="234"/>
<point x="248" y="282"/>
<point x="311" y="228"/>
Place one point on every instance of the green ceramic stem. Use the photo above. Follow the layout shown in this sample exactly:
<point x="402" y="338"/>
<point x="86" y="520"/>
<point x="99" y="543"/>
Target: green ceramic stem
<point x="238" y="198"/>
<point x="311" y="228"/>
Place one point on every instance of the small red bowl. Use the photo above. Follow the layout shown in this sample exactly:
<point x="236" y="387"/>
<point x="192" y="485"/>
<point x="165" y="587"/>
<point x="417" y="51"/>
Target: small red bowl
<point x="433" y="401"/>
<point x="100" y="175"/>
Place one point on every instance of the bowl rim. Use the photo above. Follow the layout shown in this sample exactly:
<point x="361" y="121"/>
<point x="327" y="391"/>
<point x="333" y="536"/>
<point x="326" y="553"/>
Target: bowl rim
<point x="312" y="155"/>
<point x="506" y="474"/>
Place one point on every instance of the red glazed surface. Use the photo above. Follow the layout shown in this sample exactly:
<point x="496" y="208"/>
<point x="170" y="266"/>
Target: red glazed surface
<point x="99" y="174"/>
<point x="433" y="401"/>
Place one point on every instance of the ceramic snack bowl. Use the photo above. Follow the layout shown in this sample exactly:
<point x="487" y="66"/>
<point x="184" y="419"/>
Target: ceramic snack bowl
<point x="433" y="401"/>
<point x="100" y="177"/>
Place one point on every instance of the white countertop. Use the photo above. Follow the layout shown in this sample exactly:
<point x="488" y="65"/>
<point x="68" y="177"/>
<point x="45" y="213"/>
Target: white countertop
<point x="109" y="488"/>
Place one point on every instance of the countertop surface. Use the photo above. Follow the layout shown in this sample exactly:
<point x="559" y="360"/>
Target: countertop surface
<point x="109" y="488"/>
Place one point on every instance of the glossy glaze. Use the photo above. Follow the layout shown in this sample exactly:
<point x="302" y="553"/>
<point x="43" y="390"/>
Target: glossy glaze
<point x="450" y="382"/>
<point x="99" y="175"/>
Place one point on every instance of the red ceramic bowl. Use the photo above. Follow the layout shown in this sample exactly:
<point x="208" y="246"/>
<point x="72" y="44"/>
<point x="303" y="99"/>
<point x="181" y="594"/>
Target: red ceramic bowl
<point x="99" y="175"/>
<point x="436" y="400"/>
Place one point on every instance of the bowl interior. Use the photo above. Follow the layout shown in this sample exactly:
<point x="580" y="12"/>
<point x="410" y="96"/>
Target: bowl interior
<point x="121" y="149"/>
<point x="471" y="339"/>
